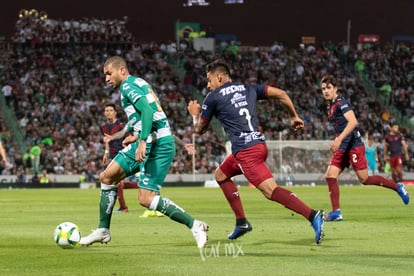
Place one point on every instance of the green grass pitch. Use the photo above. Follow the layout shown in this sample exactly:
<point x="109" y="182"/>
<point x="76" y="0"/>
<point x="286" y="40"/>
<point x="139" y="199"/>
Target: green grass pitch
<point x="375" y="238"/>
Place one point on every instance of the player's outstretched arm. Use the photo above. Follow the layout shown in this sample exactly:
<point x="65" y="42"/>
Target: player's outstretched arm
<point x="188" y="147"/>
<point x="276" y="93"/>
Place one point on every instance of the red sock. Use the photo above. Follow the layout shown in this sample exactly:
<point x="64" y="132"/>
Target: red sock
<point x="400" y="179"/>
<point x="290" y="201"/>
<point x="130" y="185"/>
<point x="394" y="177"/>
<point x="381" y="181"/>
<point x="333" y="188"/>
<point x="121" y="196"/>
<point x="231" y="193"/>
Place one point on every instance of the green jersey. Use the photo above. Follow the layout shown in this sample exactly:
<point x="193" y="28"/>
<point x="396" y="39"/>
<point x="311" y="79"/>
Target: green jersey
<point x="147" y="120"/>
<point x="132" y="89"/>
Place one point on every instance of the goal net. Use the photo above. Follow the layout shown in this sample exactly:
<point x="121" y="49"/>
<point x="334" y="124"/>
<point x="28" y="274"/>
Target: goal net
<point x="293" y="159"/>
<point x="295" y="156"/>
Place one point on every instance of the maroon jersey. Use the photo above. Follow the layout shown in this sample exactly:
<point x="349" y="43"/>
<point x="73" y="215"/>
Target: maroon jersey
<point x="394" y="142"/>
<point x="110" y="129"/>
<point x="336" y="111"/>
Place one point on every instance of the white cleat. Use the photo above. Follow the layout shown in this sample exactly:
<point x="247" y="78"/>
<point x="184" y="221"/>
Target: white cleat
<point x="199" y="231"/>
<point x="101" y="235"/>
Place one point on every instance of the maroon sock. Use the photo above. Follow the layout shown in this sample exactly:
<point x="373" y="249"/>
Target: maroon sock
<point x="231" y="193"/>
<point x="394" y="177"/>
<point x="121" y="196"/>
<point x="380" y="181"/>
<point x="290" y="201"/>
<point x="400" y="179"/>
<point x="333" y="188"/>
<point x="130" y="185"/>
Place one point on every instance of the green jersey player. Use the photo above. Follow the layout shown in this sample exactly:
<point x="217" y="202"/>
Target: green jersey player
<point x="151" y="130"/>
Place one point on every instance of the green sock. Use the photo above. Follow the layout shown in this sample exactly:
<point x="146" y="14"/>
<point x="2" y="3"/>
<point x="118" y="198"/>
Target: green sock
<point x="174" y="212"/>
<point x="106" y="205"/>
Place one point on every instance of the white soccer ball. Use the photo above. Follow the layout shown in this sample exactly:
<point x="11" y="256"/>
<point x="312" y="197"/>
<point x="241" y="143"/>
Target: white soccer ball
<point x="67" y="235"/>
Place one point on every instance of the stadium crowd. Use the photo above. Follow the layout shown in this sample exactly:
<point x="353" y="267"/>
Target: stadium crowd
<point x="52" y="74"/>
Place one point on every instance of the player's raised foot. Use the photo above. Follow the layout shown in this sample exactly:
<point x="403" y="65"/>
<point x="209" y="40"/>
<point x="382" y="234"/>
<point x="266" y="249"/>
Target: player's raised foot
<point x="148" y="214"/>
<point x="101" y="235"/>
<point x="199" y="231"/>
<point x="334" y="216"/>
<point x="403" y="193"/>
<point x="240" y="230"/>
<point x="317" y="225"/>
<point x="121" y="210"/>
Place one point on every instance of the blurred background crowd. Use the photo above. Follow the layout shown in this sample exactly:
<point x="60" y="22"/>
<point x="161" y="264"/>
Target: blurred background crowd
<point x="54" y="93"/>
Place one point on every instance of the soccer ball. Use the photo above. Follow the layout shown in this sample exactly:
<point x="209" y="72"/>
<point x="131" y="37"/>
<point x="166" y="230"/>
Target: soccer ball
<point x="67" y="235"/>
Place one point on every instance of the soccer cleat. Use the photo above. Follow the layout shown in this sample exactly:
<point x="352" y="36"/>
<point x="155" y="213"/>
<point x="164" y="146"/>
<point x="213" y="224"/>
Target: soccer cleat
<point x="199" y="231"/>
<point x="317" y="225"/>
<point x="159" y="214"/>
<point x="240" y="230"/>
<point x="334" y="216"/>
<point x="121" y="210"/>
<point x="148" y="213"/>
<point x="403" y="193"/>
<point x="101" y="235"/>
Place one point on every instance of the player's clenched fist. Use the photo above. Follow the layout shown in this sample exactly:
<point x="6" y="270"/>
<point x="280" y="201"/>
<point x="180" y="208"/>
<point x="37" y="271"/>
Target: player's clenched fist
<point x="194" y="108"/>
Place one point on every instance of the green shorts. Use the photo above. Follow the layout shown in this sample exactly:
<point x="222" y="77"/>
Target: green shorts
<point x="153" y="171"/>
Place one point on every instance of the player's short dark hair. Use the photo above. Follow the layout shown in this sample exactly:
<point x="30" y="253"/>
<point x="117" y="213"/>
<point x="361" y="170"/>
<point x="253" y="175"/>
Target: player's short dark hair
<point x="219" y="65"/>
<point x="329" y="79"/>
<point x="111" y="105"/>
<point x="116" y="61"/>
